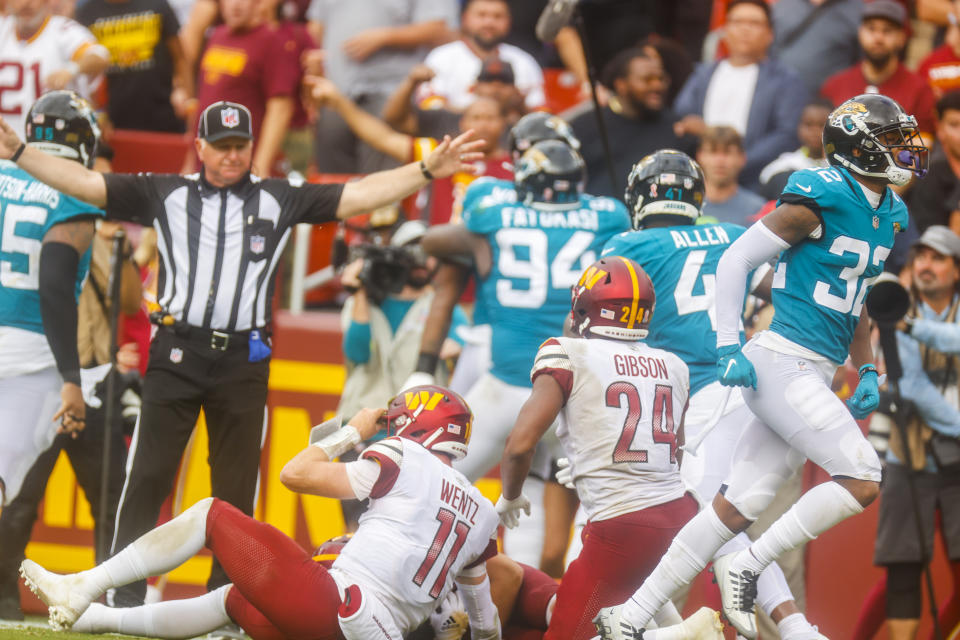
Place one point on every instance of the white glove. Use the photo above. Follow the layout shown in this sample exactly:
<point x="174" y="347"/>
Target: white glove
<point x="490" y="634"/>
<point x="564" y="473"/>
<point x="509" y="510"/>
<point x="417" y="379"/>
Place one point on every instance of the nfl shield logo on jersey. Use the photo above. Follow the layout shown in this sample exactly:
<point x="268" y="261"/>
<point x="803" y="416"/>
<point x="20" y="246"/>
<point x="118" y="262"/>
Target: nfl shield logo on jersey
<point x="230" y="117"/>
<point x="176" y="355"/>
<point x="257" y="244"/>
<point x="876" y="222"/>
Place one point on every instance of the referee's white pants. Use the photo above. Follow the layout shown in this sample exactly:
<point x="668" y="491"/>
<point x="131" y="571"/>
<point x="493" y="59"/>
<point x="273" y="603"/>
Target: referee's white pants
<point x="27" y="406"/>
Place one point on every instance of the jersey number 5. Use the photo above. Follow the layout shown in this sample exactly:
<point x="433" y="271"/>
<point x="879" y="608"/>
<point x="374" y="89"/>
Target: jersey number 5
<point x="447" y="519"/>
<point x="662" y="425"/>
<point x="20" y="255"/>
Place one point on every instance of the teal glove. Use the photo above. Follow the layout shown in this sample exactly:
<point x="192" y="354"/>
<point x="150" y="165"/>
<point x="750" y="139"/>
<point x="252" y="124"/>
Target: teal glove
<point x="734" y="369"/>
<point x="866" y="398"/>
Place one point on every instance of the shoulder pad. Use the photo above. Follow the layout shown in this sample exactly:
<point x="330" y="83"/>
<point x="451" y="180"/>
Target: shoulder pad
<point x="388" y="453"/>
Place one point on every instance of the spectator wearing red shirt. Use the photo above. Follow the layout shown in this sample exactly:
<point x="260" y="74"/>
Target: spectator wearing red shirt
<point x="882" y="37"/>
<point x="248" y="62"/>
<point x="941" y="69"/>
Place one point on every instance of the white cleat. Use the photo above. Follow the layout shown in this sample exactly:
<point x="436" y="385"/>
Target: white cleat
<point x="738" y="594"/>
<point x="64" y="595"/>
<point x="611" y="625"/>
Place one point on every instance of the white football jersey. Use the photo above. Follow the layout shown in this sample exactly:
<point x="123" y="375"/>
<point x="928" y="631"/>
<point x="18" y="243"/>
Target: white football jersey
<point x="424" y="525"/>
<point x="624" y="404"/>
<point x="25" y="64"/>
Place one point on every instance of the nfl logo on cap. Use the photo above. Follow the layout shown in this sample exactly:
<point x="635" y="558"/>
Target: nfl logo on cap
<point x="230" y="117"/>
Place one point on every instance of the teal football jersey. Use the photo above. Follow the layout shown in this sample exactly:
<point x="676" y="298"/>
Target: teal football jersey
<point x="28" y="209"/>
<point x="682" y="264"/>
<point x="538" y="254"/>
<point x="820" y="284"/>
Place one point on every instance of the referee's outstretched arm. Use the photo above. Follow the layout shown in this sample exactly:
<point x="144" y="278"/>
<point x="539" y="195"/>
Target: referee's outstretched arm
<point x="381" y="188"/>
<point x="66" y="176"/>
<point x="373" y="191"/>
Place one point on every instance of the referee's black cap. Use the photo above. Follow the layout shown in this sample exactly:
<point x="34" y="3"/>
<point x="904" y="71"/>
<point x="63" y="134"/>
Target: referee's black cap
<point x="225" y="120"/>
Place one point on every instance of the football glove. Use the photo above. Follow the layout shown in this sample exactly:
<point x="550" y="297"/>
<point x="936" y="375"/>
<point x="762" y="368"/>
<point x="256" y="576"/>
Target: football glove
<point x="866" y="398"/>
<point x="509" y="510"/>
<point x="564" y="474"/>
<point x="734" y="369"/>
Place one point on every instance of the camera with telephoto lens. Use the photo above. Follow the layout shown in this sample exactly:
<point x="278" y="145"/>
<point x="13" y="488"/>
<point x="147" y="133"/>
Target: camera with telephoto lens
<point x="386" y="269"/>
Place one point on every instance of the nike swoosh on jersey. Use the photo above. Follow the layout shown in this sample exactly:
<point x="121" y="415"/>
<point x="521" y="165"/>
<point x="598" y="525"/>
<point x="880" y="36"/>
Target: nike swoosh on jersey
<point x="606" y="251"/>
<point x="803" y="188"/>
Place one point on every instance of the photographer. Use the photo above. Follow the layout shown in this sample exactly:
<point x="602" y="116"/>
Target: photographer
<point x="929" y="348"/>
<point x="383" y="320"/>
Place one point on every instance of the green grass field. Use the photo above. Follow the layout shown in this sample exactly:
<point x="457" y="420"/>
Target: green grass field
<point x="35" y="628"/>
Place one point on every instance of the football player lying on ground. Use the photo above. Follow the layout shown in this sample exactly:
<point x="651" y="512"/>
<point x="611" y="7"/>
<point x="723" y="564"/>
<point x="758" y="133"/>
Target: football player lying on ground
<point x="525" y="598"/>
<point x="381" y="585"/>
<point x="623" y="404"/>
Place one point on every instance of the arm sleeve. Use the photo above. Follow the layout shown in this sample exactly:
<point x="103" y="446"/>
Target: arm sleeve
<point x="940" y="336"/>
<point x="757" y="245"/>
<point x="130" y="197"/>
<point x="916" y="386"/>
<point x="554" y="361"/>
<point x="313" y="203"/>
<point x="58" y="306"/>
<point x="356" y="342"/>
<point x="480" y="608"/>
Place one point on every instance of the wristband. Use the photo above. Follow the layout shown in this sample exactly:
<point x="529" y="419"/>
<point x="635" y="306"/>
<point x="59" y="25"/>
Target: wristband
<point x="16" y="154"/>
<point x="427" y="363"/>
<point x="339" y="442"/>
<point x="426" y="172"/>
<point x="864" y="369"/>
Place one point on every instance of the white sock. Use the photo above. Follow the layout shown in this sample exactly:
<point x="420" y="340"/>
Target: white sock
<point x="170" y="619"/>
<point x="155" y="552"/>
<point x="687" y="555"/>
<point x="667" y="615"/>
<point x="816" y="511"/>
<point x="795" y="625"/>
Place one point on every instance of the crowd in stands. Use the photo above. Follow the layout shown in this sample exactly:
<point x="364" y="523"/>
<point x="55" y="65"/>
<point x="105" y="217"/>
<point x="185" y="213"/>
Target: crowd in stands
<point x="666" y="75"/>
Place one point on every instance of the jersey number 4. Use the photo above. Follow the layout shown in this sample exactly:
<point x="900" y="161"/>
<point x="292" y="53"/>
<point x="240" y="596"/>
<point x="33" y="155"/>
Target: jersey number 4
<point x="448" y="523"/>
<point x="662" y="422"/>
<point x="524" y="256"/>
<point x="20" y="255"/>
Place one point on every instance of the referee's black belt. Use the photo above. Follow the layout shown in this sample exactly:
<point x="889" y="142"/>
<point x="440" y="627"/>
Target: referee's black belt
<point x="214" y="339"/>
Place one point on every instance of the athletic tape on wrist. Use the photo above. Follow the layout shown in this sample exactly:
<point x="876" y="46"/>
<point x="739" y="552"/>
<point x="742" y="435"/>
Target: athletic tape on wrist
<point x="339" y="442"/>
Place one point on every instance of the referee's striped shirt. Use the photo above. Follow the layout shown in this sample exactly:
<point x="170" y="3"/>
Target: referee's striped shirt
<point x="218" y="247"/>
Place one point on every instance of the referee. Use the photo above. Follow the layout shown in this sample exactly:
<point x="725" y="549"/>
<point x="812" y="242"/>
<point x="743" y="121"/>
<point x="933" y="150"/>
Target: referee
<point x="220" y="236"/>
